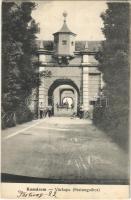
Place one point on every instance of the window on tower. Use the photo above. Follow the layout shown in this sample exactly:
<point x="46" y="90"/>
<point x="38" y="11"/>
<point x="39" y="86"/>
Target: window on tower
<point x="56" y="39"/>
<point x="64" y="42"/>
<point x="72" y="43"/>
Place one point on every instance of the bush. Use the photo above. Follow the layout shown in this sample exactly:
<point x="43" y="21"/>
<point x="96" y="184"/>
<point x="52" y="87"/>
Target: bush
<point x="23" y="114"/>
<point x="115" y="126"/>
<point x="8" y="119"/>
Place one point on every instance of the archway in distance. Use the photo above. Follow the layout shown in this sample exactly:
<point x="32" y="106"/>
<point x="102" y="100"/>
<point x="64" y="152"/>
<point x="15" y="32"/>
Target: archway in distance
<point x="69" y="100"/>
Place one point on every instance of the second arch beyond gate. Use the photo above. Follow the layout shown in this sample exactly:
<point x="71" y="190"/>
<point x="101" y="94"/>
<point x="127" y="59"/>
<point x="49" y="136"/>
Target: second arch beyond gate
<point x="60" y="89"/>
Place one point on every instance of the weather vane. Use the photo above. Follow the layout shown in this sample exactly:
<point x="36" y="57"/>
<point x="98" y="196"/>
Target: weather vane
<point x="65" y="15"/>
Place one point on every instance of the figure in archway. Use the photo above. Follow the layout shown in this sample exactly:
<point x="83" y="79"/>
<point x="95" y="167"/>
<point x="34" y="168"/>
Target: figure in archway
<point x="57" y="106"/>
<point x="72" y="106"/>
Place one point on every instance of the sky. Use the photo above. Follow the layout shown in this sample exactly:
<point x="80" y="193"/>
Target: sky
<point x="83" y="18"/>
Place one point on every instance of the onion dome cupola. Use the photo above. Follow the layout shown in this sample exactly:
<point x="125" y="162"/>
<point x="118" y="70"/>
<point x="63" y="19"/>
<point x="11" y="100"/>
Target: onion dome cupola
<point x="64" y="40"/>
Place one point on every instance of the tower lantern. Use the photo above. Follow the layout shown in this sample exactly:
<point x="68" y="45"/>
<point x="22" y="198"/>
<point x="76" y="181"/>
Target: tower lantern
<point x="64" y="40"/>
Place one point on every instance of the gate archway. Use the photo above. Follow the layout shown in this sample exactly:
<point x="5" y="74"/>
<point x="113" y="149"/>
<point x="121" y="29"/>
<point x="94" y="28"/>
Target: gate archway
<point x="59" y="83"/>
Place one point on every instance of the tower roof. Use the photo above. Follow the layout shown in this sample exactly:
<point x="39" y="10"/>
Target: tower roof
<point x="64" y="28"/>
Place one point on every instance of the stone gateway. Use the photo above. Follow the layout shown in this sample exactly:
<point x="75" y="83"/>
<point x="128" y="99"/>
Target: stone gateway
<point x="75" y="79"/>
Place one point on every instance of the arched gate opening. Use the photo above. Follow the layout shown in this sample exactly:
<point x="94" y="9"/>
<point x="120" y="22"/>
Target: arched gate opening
<point x="63" y="89"/>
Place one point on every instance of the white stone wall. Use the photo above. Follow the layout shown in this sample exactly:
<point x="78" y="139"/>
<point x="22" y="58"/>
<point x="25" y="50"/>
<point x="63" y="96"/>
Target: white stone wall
<point x="86" y="88"/>
<point x="90" y="81"/>
<point x="91" y="85"/>
<point x="72" y="73"/>
<point x="43" y="90"/>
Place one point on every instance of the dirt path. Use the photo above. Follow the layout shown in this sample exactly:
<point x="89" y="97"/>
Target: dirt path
<point x="62" y="148"/>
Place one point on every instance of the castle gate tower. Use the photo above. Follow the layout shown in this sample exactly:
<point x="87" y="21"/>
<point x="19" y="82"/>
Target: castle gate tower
<point x="74" y="75"/>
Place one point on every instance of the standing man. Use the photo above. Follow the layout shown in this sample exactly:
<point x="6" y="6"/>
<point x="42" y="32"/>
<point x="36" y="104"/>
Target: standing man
<point x="45" y="110"/>
<point x="67" y="104"/>
<point x="41" y="111"/>
<point x="81" y="111"/>
<point x="72" y="106"/>
<point x="57" y="106"/>
<point x="50" y="110"/>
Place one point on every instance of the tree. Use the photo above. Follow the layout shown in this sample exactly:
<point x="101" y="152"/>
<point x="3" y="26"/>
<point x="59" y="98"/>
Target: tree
<point x="19" y="68"/>
<point x="114" y="64"/>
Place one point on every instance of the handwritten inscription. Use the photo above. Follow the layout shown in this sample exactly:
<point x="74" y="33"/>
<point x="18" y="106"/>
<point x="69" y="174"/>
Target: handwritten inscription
<point x="35" y="194"/>
<point x="52" y="193"/>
